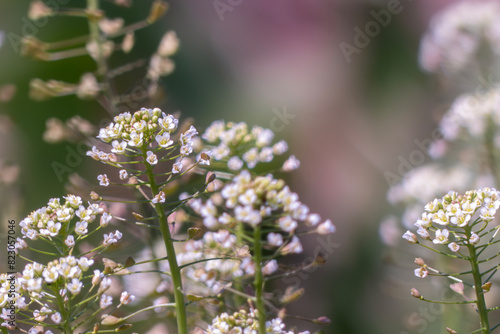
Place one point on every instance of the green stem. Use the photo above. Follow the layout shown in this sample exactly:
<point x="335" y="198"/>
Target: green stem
<point x="175" y="271"/>
<point x="259" y="280"/>
<point x="480" y="302"/>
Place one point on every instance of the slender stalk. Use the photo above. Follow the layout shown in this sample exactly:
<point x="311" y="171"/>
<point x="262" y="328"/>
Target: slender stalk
<point x="480" y="302"/>
<point x="259" y="280"/>
<point x="175" y="271"/>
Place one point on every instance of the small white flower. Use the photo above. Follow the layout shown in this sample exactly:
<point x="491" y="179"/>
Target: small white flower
<point x="186" y="150"/>
<point x="123" y="174"/>
<point x="287" y="224"/>
<point x="441" y="236"/>
<point x="234" y="163"/>
<point x="20" y="244"/>
<point x="56" y="318"/>
<point x="159" y="198"/>
<point x="69" y="241"/>
<point x="280" y="147"/>
<point x="291" y="163"/>
<point x="248" y="215"/>
<point x="177" y="168"/>
<point x="460" y="219"/>
<point x="105" y="219"/>
<point x="112" y="238"/>
<point x="487" y="215"/>
<point x="85" y="214"/>
<point x="118" y="147"/>
<point x="75" y="286"/>
<point x="294" y="246"/>
<point x="105" y="301"/>
<point x="251" y="157"/>
<point x="84" y="263"/>
<point x="313" y="219"/>
<point x="454" y="247"/>
<point x="204" y="158"/>
<point x="248" y="198"/>
<point x="440" y="218"/>
<point x="423" y="233"/>
<point x="410" y="237"/>
<point x="50" y="275"/>
<point x="135" y="139"/>
<point x="32" y="234"/>
<point x="275" y="239"/>
<point x="168" y="122"/>
<point x="326" y="228"/>
<point x="97" y="277"/>
<point x="64" y="215"/>
<point x="474" y="239"/>
<point x="151" y="158"/>
<point x="164" y="140"/>
<point x="140" y="126"/>
<point x="266" y="154"/>
<point x="126" y="298"/>
<point x="103" y="180"/>
<point x="421" y="272"/>
<point x="270" y="267"/>
<point x="74" y="201"/>
<point x="81" y="228"/>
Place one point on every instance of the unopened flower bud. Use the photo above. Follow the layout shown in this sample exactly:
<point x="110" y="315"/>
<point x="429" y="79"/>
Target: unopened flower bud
<point x="109" y="320"/>
<point x="128" y="42"/>
<point x="193" y="232"/>
<point x="210" y="176"/>
<point x="291" y="295"/>
<point x="320" y="259"/>
<point x="158" y="9"/>
<point x="129" y="262"/>
<point x="486" y="286"/>
<point x="419" y="261"/>
<point x="137" y="216"/>
<point x="39" y="10"/>
<point x="451" y="331"/>
<point x="410" y="237"/>
<point x="414" y="292"/>
<point x="123" y="327"/>
<point x="94" y="196"/>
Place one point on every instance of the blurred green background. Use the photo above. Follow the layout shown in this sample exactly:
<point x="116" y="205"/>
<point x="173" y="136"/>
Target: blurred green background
<point x="349" y="123"/>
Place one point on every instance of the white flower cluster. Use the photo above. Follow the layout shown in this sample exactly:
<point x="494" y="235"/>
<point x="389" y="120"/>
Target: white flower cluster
<point x="460" y="34"/>
<point x="144" y="135"/>
<point x="65" y="274"/>
<point x="472" y="113"/>
<point x="215" y="273"/>
<point x="245" y="322"/>
<point x="429" y="181"/>
<point x="239" y="147"/>
<point x="252" y="200"/>
<point x="457" y="213"/>
<point x="53" y="220"/>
